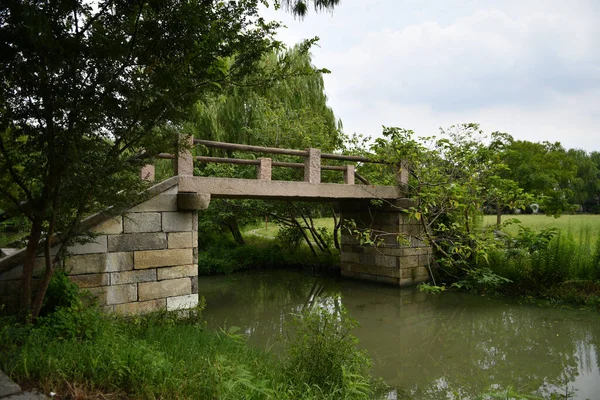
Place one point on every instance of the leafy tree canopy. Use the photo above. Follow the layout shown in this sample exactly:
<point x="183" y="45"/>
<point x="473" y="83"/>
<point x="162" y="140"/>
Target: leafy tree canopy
<point x="86" y="84"/>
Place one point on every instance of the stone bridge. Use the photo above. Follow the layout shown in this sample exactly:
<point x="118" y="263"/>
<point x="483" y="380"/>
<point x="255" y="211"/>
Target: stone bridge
<point x="145" y="258"/>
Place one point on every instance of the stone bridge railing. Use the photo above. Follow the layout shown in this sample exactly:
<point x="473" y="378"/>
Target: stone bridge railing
<point x="312" y="165"/>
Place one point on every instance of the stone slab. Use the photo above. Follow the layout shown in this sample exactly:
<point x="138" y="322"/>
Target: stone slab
<point x="192" y="201"/>
<point x="99" y="263"/>
<point x="179" y="271"/>
<point x="96" y="245"/>
<point x="181" y="240"/>
<point x="182" y="302"/>
<point x="161" y="202"/>
<point x="137" y="241"/>
<point x="140" y="307"/>
<point x="116" y="294"/>
<point x="168" y="288"/>
<point x="7" y="386"/>
<point x="90" y="280"/>
<point x="162" y="258"/>
<point x="135" y="276"/>
<point x="141" y="222"/>
<point x="176" y="221"/>
<point x="113" y="226"/>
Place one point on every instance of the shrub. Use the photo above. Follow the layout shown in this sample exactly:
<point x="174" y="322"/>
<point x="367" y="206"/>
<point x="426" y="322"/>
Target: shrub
<point x="323" y="353"/>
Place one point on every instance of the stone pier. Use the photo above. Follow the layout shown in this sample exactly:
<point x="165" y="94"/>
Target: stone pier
<point x="401" y="257"/>
<point x="142" y="260"/>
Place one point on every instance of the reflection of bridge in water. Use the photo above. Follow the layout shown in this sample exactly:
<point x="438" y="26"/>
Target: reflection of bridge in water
<point x="145" y="257"/>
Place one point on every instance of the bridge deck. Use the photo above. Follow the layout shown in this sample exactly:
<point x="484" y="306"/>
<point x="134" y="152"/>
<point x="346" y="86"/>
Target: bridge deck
<point x="232" y="188"/>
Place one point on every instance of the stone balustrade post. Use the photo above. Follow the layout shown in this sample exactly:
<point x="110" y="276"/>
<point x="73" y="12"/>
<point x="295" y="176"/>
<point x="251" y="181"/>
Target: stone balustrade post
<point x="349" y="175"/>
<point x="402" y="173"/>
<point x="264" y="169"/>
<point x="147" y="173"/>
<point x="184" y="162"/>
<point x="312" y="166"/>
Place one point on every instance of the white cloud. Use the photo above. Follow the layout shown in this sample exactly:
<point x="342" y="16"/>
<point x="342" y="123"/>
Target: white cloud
<point x="531" y="68"/>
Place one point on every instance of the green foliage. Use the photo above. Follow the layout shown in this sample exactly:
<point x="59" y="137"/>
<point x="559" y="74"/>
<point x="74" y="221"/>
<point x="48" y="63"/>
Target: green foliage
<point x="481" y="279"/>
<point x="289" y="236"/>
<point x="323" y="353"/>
<point x="431" y="289"/>
<point x="170" y="355"/>
<point x="61" y="293"/>
<point x="451" y="180"/>
<point x="86" y="85"/>
<point x="551" y="263"/>
<point x="222" y="257"/>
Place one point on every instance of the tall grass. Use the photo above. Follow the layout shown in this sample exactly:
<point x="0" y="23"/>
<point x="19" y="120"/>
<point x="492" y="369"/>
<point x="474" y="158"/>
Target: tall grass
<point x="165" y="356"/>
<point x="564" y="265"/>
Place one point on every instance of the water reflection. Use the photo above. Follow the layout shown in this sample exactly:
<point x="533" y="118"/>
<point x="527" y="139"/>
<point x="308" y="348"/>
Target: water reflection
<point x="432" y="347"/>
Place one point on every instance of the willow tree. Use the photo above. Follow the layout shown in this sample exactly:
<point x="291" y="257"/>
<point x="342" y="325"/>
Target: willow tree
<point x="286" y="110"/>
<point x="300" y="8"/>
<point x="86" y="84"/>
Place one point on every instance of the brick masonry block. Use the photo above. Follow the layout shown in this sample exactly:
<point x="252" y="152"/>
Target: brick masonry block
<point x="179" y="271"/>
<point x="161" y="202"/>
<point x="96" y="245"/>
<point x="182" y="302"/>
<point x="141" y="307"/>
<point x="116" y="294"/>
<point x="414" y="251"/>
<point x="99" y="263"/>
<point x="195" y="221"/>
<point x="168" y="288"/>
<point x="350" y="257"/>
<point x="181" y="240"/>
<point x="135" y="276"/>
<point x="162" y="258"/>
<point x="141" y="222"/>
<point x="137" y="241"/>
<point x="194" y="280"/>
<point x="195" y="255"/>
<point x="195" y="238"/>
<point x="389" y="280"/>
<point x="176" y="221"/>
<point x="90" y="280"/>
<point x="113" y="226"/>
<point x="409" y="262"/>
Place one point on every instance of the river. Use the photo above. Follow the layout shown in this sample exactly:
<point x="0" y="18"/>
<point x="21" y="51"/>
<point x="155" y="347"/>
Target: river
<point x="449" y="346"/>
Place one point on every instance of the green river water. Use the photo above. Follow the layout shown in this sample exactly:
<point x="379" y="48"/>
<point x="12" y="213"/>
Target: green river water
<point x="449" y="346"/>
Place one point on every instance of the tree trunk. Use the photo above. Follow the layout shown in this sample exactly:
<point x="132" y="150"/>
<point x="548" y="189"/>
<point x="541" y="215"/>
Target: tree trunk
<point x="336" y="227"/>
<point x="235" y="232"/>
<point x="498" y="215"/>
<point x="29" y="263"/>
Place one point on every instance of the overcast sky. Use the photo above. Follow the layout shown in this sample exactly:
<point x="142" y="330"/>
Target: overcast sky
<point x="527" y="67"/>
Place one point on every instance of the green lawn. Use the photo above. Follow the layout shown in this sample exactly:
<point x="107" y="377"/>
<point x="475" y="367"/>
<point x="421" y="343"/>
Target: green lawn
<point x="573" y="223"/>
<point x="270" y="229"/>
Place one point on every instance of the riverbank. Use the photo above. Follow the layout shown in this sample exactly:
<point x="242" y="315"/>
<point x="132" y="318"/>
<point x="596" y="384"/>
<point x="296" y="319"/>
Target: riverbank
<point x="79" y="352"/>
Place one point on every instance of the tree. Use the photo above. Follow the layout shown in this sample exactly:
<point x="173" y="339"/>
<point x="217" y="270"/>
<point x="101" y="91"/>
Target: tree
<point x="300" y="7"/>
<point x="544" y="170"/>
<point x="290" y="112"/>
<point x="86" y="84"/>
<point x="451" y="179"/>
<point x="586" y="184"/>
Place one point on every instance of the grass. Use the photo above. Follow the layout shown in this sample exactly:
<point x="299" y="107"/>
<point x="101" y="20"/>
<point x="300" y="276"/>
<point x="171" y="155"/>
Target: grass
<point x="573" y="223"/>
<point x="78" y="352"/>
<point x="270" y="229"/>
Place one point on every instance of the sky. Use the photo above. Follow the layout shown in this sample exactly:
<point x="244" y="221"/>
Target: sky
<point x="530" y="68"/>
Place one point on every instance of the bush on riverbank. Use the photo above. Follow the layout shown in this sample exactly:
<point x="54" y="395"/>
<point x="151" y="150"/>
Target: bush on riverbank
<point x="77" y="351"/>
<point x="554" y="264"/>
<point x="221" y="256"/>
